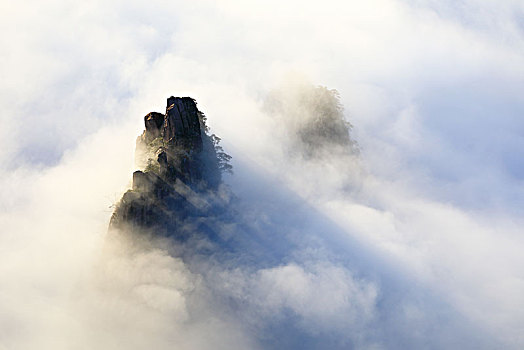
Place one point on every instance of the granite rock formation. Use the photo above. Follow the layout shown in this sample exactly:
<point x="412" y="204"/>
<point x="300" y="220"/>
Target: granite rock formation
<point x="180" y="173"/>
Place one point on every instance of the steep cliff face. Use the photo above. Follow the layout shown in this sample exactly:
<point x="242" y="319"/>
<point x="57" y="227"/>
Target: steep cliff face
<point x="179" y="175"/>
<point x="182" y="124"/>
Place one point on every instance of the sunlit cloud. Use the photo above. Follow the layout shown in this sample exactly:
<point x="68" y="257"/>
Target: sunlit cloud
<point x="412" y="242"/>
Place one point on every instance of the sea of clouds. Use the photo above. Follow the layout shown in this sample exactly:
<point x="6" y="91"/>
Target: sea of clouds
<point x="416" y="243"/>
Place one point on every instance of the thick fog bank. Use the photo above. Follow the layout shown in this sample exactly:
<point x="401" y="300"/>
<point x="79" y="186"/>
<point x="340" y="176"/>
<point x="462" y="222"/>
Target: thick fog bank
<point x="408" y="236"/>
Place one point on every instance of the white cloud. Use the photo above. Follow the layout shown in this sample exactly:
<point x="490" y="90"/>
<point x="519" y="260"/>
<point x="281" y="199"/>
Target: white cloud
<point x="432" y="89"/>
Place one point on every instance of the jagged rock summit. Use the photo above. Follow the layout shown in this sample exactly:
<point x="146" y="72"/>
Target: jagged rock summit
<point x="180" y="170"/>
<point x="176" y="138"/>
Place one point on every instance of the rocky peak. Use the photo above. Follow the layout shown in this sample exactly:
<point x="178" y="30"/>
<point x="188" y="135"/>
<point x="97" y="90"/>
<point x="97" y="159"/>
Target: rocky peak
<point x="173" y="152"/>
<point x="154" y="123"/>
<point x="182" y="123"/>
<point x="172" y="144"/>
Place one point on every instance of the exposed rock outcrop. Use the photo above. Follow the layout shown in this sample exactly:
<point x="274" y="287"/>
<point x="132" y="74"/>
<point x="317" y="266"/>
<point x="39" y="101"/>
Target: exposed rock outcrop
<point x="181" y="123"/>
<point x="179" y="172"/>
<point x="154" y="123"/>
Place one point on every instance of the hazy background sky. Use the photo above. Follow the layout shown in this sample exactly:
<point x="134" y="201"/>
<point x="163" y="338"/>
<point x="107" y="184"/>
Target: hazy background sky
<point x="432" y="88"/>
